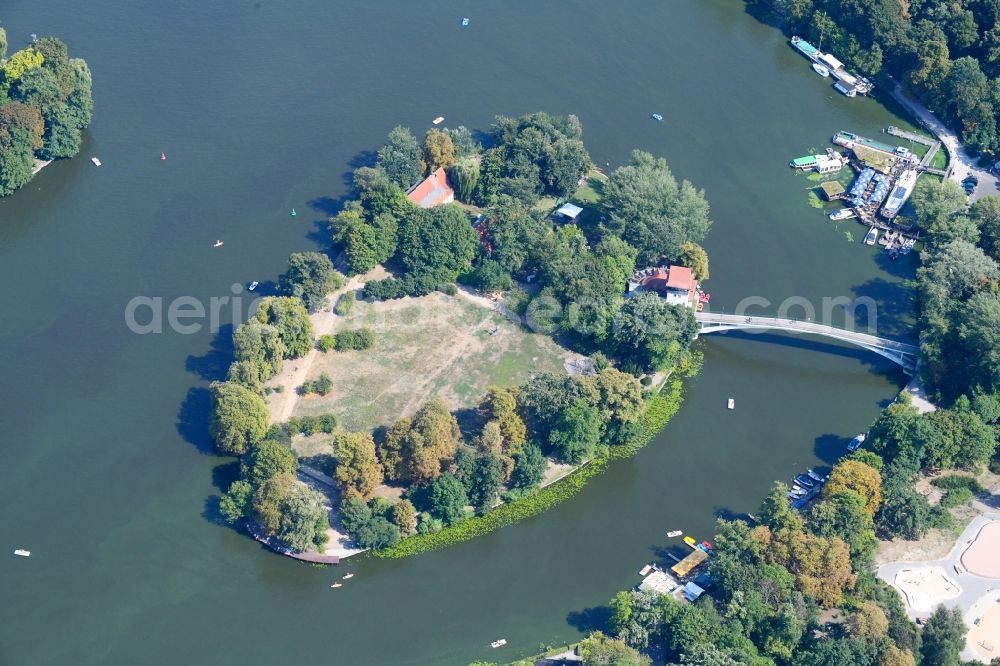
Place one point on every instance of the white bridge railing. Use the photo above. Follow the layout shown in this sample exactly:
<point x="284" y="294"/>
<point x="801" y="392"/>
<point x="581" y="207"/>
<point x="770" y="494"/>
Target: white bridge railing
<point x="901" y="353"/>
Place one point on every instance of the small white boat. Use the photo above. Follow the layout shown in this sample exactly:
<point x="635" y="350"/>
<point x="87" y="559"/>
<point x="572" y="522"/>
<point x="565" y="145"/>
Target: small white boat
<point x="675" y="533"/>
<point x="20" y="552"/>
<point x="438" y="120"/>
<point x="842" y="214"/>
<point x="821" y="70"/>
<point x="96" y="161"/>
<point x="253" y="285"/>
<point x="645" y="570"/>
<point x="465" y="22"/>
<point x="337" y="585"/>
<point x="217" y="243"/>
<point x="871" y="236"/>
<point x="731" y="404"/>
<point x="657" y="117"/>
<point x="856" y="443"/>
<point x="348" y="576"/>
<point x="499" y="643"/>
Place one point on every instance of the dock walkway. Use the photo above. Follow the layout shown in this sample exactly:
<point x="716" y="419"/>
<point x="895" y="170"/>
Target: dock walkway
<point x="933" y="145"/>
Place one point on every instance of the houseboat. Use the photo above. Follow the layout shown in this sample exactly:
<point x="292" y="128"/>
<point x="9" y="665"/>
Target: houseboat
<point x="900" y="193"/>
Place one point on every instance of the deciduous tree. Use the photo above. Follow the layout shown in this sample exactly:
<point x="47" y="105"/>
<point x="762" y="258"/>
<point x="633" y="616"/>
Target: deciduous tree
<point x="239" y="417"/>
<point x="858" y="477"/>
<point x="358" y="469"/>
<point x="399" y="158"/>
<point x="289" y="316"/>
<point x="310" y="277"/>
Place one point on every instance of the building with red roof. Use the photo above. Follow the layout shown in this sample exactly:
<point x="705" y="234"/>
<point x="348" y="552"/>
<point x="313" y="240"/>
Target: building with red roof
<point x="432" y="190"/>
<point x="676" y="284"/>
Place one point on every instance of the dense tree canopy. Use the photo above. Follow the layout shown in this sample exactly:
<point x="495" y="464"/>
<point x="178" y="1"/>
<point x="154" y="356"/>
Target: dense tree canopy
<point x="310" y="277"/>
<point x="289" y="316"/>
<point x="358" y="469"/>
<point x="399" y="158"/>
<point x="651" y="211"/>
<point x="416" y="449"/>
<point x="650" y="332"/>
<point x="239" y="417"/>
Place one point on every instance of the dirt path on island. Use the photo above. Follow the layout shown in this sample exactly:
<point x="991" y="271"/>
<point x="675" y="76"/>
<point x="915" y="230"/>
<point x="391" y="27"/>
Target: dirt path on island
<point x="322" y="322"/>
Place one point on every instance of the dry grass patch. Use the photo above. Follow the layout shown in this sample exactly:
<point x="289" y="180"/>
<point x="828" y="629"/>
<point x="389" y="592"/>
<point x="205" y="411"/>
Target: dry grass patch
<point x="436" y="346"/>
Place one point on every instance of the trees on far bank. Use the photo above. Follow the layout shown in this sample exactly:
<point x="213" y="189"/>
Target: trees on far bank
<point x="239" y="417"/>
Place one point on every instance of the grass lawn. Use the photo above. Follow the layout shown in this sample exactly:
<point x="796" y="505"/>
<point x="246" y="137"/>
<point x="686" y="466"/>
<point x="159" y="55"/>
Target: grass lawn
<point x="437" y="346"/>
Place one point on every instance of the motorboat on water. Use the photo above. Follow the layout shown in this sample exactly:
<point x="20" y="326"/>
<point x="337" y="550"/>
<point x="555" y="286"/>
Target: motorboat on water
<point x="804" y="481"/>
<point x="674" y="533"/>
<point x="657" y="117"/>
<point x="438" y="120"/>
<point x="20" y="552"/>
<point x="814" y="476"/>
<point x="337" y="585"/>
<point x="253" y="285"/>
<point x="842" y="214"/>
<point x="217" y="243"/>
<point x="348" y="576"/>
<point x="96" y="161"/>
<point x="821" y="70"/>
<point x="731" y="404"/>
<point x="856" y="443"/>
<point x="499" y="643"/>
<point x="871" y="236"/>
<point x="465" y="23"/>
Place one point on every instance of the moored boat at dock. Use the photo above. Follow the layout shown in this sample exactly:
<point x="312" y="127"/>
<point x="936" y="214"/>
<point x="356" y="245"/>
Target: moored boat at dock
<point x="900" y="193"/>
<point x="871" y="236"/>
<point x="821" y="70"/>
<point x="842" y="214"/>
<point x="856" y="443"/>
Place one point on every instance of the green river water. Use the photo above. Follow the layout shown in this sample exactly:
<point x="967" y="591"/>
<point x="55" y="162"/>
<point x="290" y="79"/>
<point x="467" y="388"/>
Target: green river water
<point x="106" y="468"/>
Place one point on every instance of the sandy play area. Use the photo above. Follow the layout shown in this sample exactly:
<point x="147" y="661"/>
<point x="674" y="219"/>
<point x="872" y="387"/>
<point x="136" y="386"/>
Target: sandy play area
<point x="926" y="587"/>
<point x="982" y="557"/>
<point x="983" y="639"/>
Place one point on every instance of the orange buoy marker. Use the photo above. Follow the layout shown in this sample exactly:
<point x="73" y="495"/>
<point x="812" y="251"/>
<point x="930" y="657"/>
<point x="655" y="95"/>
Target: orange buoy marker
<point x="163" y="156"/>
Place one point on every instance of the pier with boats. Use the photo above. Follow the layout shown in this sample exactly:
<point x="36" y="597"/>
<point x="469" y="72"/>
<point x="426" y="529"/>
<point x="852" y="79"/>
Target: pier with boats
<point x="886" y="177"/>
<point x="826" y="64"/>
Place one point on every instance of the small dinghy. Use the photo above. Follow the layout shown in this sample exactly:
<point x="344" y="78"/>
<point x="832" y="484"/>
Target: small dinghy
<point x="253" y="285"/>
<point x="499" y="643"/>
<point x="337" y="585"/>
<point x="20" y="552"/>
<point x="731" y="404"/>
<point x="645" y="570"/>
<point x="438" y="120"/>
<point x="96" y="161"/>
<point x="657" y="117"/>
<point x="674" y="533"/>
<point x="465" y="23"/>
<point x="348" y="576"/>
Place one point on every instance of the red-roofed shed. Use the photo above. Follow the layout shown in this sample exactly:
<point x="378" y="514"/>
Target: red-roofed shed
<point x="432" y="191"/>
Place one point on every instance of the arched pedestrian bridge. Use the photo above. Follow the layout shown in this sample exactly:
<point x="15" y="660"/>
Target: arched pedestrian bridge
<point x="901" y="353"/>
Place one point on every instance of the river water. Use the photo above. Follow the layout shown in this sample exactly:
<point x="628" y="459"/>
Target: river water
<point x="262" y="106"/>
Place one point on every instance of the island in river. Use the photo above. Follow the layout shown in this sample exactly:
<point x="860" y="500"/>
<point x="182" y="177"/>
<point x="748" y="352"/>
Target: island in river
<point x="379" y="445"/>
<point x="45" y="104"/>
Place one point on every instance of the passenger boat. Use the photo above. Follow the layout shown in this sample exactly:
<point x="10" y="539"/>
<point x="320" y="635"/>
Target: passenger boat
<point x="842" y="214"/>
<point x="900" y="193"/>
<point x="805" y="481"/>
<point x="96" y="161"/>
<point x="674" y="533"/>
<point x="645" y="570"/>
<point x="856" y="443"/>
<point x="253" y="285"/>
<point x="217" y="243"/>
<point x="871" y="236"/>
<point x="348" y="576"/>
<point x="814" y="476"/>
<point x="690" y="541"/>
<point x="657" y="117"/>
<point x="731" y="404"/>
<point x="438" y="120"/>
<point x="20" y="552"/>
<point x="499" y="643"/>
<point x="821" y="70"/>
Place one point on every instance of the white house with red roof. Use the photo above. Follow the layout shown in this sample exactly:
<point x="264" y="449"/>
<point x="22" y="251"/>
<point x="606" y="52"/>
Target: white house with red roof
<point x="432" y="190"/>
<point x="676" y="284"/>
